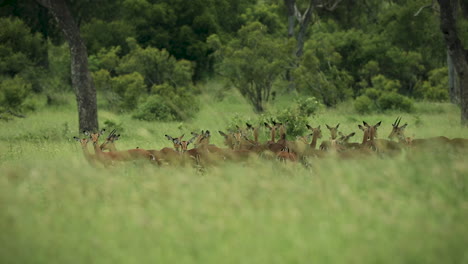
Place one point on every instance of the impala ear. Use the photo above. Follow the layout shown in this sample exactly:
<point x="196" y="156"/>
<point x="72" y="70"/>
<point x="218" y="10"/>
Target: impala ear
<point x="222" y="134"/>
<point x="86" y="133"/>
<point x="308" y="127"/>
<point x="181" y="137"/>
<point x="328" y="126"/>
<point x="318" y="127"/>
<point x="117" y="137"/>
<point x="337" y="126"/>
<point x="361" y="127"/>
<point x="168" y="137"/>
<point x="352" y="134"/>
<point x="378" y="124"/>
<point x="404" y="126"/>
<point x="77" y="139"/>
<point x="102" y="131"/>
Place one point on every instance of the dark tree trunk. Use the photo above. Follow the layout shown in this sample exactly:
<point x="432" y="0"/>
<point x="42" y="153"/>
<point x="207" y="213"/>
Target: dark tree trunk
<point x="81" y="78"/>
<point x="456" y="51"/>
<point x="290" y="4"/>
<point x="454" y="87"/>
<point x="303" y="25"/>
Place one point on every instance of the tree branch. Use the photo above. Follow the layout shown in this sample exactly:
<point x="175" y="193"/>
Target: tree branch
<point x="426" y="6"/>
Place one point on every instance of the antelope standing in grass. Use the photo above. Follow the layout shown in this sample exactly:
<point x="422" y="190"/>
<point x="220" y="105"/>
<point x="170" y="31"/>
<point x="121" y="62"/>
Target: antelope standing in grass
<point x="333" y="136"/>
<point x="91" y="158"/>
<point x="399" y="133"/>
<point x="109" y="144"/>
<point x="381" y="145"/>
<point x="311" y="148"/>
<point x="108" y="158"/>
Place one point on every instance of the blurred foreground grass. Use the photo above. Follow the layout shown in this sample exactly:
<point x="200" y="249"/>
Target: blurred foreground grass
<point x="55" y="208"/>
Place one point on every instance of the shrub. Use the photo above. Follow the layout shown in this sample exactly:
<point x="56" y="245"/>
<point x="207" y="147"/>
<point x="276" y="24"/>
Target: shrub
<point x="168" y="104"/>
<point x="363" y="104"/>
<point x="308" y="106"/>
<point x="13" y="92"/>
<point x="435" y="88"/>
<point x="155" y="109"/>
<point x="395" y="101"/>
<point x="129" y="87"/>
<point x="294" y="120"/>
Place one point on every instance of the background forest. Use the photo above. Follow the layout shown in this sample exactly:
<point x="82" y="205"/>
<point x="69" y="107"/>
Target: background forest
<point x="148" y="58"/>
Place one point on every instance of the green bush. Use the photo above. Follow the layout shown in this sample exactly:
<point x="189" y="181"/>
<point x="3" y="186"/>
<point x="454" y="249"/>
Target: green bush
<point x="382" y="96"/>
<point x="129" y="87"/>
<point x="13" y="92"/>
<point x="294" y="120"/>
<point x="436" y="87"/>
<point x="363" y="104"/>
<point x="155" y="109"/>
<point x="308" y="106"/>
<point x="395" y="101"/>
<point x="168" y="104"/>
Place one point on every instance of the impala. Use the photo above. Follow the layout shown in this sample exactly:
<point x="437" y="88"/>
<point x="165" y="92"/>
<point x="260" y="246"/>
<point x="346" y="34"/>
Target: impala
<point x="91" y="158"/>
<point x="108" y="158"/>
<point x="381" y="145"/>
<point x="399" y="133"/>
<point x="312" y="146"/>
<point x="333" y="135"/>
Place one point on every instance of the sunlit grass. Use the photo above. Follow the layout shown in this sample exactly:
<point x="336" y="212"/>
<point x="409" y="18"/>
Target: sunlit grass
<point x="56" y="208"/>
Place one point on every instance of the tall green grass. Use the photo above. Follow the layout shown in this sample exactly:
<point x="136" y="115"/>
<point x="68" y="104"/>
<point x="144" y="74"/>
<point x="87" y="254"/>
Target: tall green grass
<point x="55" y="208"/>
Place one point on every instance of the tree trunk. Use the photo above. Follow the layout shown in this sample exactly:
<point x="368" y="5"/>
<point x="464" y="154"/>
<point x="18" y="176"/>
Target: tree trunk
<point x="303" y="25"/>
<point x="456" y="51"/>
<point x="454" y="86"/>
<point x="81" y="78"/>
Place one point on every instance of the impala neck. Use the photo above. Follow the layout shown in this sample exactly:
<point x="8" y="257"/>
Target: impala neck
<point x="313" y="144"/>
<point x="255" y="134"/>
<point x="273" y="135"/>
<point x="365" y="137"/>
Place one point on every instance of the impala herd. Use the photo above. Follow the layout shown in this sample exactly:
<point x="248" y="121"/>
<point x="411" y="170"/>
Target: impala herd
<point x="243" y="144"/>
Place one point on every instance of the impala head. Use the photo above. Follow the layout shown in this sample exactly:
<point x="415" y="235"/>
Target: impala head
<point x="365" y="130"/>
<point x="372" y="130"/>
<point x="94" y="136"/>
<point x="109" y="142"/>
<point x="238" y="135"/>
<point x="333" y="131"/>
<point x="304" y="139"/>
<point x="175" y="141"/>
<point x="83" y="141"/>
<point x="201" y="139"/>
<point x="344" y="138"/>
<point x="398" y="131"/>
<point x="228" y="139"/>
<point x="317" y="132"/>
<point x="184" y="143"/>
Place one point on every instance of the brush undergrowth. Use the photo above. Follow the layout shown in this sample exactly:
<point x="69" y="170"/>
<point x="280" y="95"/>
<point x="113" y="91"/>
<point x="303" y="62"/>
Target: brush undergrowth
<point x="55" y="208"/>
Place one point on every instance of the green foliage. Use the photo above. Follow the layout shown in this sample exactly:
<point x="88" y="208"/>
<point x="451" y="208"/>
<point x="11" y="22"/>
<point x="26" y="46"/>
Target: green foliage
<point x="363" y="104"/>
<point x="395" y="101"/>
<point x="107" y="59"/>
<point x="308" y="106"/>
<point x="157" y="66"/>
<point x="382" y="96"/>
<point x="100" y="34"/>
<point x="436" y="87"/>
<point x="129" y="87"/>
<point x="253" y="62"/>
<point x="167" y="105"/>
<point x="19" y="48"/>
<point x="13" y="92"/>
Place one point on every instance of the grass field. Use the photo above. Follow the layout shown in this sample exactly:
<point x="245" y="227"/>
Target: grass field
<point x="55" y="208"/>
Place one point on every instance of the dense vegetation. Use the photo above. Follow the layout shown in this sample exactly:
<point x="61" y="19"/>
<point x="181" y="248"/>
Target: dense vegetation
<point x="148" y="57"/>
<point x="56" y="208"/>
